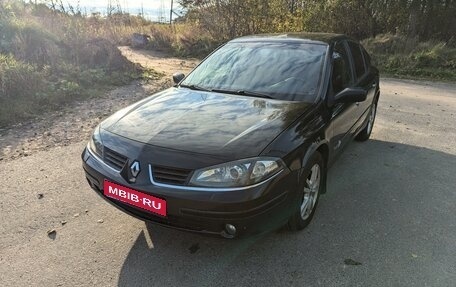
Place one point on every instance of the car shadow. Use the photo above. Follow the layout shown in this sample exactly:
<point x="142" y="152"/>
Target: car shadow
<point x="383" y="221"/>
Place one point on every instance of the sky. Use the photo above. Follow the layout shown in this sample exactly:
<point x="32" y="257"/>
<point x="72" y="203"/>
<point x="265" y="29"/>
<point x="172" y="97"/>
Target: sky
<point x="153" y="9"/>
<point x="147" y="4"/>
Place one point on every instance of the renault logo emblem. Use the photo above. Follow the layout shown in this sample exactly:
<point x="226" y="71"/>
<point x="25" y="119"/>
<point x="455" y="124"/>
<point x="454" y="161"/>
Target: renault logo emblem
<point x="135" y="168"/>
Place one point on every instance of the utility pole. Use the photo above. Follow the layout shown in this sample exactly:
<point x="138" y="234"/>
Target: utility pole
<point x="171" y="14"/>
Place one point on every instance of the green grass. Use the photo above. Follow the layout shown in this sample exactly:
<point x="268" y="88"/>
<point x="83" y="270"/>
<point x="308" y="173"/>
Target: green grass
<point x="408" y="58"/>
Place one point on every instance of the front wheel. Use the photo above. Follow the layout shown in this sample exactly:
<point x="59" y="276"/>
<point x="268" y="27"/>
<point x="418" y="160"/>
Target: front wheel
<point x="366" y="132"/>
<point x="310" y="190"/>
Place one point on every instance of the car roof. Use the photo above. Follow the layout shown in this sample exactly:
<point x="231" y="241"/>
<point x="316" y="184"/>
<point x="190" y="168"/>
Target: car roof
<point x="305" y="37"/>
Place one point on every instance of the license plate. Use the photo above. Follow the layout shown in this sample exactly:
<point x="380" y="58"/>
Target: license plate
<point x="134" y="197"/>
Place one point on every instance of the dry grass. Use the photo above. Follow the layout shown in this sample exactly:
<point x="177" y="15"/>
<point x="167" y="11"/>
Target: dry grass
<point x="183" y="39"/>
<point x="49" y="58"/>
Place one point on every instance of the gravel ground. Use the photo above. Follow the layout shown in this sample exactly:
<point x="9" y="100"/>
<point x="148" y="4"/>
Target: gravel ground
<point x="388" y="218"/>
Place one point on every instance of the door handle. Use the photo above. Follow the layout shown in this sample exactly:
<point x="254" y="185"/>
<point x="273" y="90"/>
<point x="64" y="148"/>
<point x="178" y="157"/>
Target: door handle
<point x="357" y="104"/>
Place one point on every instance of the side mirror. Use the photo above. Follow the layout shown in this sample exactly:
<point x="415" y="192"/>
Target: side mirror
<point x="178" y="77"/>
<point x="351" y="95"/>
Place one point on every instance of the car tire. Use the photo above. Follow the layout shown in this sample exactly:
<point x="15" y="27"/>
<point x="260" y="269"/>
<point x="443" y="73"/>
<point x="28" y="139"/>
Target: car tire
<point x="314" y="175"/>
<point x="365" y="133"/>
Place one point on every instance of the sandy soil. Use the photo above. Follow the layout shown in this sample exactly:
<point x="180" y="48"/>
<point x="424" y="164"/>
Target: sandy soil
<point x="76" y="121"/>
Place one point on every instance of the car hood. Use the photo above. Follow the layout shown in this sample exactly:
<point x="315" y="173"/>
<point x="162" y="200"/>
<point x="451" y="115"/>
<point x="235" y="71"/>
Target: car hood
<point x="229" y="126"/>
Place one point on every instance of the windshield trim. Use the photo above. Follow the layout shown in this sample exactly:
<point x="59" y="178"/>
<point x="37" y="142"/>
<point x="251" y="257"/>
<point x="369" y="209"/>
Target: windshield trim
<point x="321" y="94"/>
<point x="319" y="87"/>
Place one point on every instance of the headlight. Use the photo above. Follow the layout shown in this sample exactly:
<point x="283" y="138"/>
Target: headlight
<point x="237" y="173"/>
<point x="95" y="143"/>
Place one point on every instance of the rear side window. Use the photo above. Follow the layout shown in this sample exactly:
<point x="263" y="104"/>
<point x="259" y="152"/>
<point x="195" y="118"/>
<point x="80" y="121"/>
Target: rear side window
<point x="341" y="74"/>
<point x="358" y="59"/>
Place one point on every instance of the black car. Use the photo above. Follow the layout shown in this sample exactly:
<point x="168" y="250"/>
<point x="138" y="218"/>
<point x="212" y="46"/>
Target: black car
<point x="243" y="143"/>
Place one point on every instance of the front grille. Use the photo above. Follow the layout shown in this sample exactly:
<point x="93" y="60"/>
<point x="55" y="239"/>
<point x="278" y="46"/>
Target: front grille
<point x="114" y="159"/>
<point x="170" y="175"/>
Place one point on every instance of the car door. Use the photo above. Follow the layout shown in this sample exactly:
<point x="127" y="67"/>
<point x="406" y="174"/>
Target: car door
<point x="363" y="79"/>
<point x="371" y="80"/>
<point x="343" y="115"/>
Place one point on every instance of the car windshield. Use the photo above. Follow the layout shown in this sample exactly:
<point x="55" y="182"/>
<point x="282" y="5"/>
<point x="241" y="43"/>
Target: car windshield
<point x="286" y="71"/>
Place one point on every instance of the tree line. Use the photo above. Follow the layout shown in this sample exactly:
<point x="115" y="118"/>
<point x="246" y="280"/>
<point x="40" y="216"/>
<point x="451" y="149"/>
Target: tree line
<point x="422" y="19"/>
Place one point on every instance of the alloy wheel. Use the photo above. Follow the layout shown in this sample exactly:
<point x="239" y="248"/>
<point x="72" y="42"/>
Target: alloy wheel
<point x="311" y="191"/>
<point x="370" y="124"/>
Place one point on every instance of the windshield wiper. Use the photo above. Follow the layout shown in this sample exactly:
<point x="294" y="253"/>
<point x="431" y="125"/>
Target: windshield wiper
<point x="195" y="87"/>
<point x="243" y="93"/>
<point x="238" y="92"/>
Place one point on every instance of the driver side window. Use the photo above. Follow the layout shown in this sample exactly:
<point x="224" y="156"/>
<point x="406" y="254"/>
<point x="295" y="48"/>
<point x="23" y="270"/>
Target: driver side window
<point x="341" y="68"/>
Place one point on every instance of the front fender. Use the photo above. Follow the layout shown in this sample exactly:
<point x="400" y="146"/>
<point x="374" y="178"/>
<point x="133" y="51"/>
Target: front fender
<point x="321" y="146"/>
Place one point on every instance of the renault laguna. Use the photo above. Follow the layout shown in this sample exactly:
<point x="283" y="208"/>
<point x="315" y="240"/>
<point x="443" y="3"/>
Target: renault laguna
<point x="243" y="143"/>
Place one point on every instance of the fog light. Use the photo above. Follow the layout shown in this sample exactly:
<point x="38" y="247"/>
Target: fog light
<point x="230" y="229"/>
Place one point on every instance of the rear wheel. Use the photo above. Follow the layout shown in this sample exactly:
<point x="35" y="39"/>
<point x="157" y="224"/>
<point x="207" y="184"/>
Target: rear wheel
<point x="310" y="190"/>
<point x="366" y="132"/>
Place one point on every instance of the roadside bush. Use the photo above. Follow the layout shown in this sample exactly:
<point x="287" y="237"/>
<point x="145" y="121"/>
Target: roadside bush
<point x="189" y="43"/>
<point x="21" y="85"/>
<point x="162" y="38"/>
<point x="182" y="40"/>
<point x="49" y="58"/>
<point x="29" y="43"/>
<point x="399" y="56"/>
<point x="18" y="79"/>
<point x="100" y="53"/>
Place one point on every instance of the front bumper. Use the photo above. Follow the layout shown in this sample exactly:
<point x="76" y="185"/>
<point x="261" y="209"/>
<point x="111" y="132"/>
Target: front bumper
<point x="253" y="210"/>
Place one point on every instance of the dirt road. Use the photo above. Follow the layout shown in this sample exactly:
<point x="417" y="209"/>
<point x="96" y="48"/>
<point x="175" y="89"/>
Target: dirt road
<point x="390" y="206"/>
